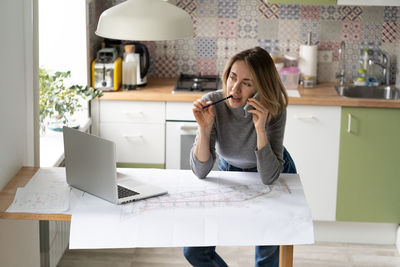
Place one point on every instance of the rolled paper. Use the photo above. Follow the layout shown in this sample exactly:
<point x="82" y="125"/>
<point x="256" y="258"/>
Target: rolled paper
<point x="308" y="60"/>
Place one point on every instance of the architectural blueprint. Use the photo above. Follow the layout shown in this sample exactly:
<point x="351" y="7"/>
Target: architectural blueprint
<point x="226" y="208"/>
<point x="239" y="196"/>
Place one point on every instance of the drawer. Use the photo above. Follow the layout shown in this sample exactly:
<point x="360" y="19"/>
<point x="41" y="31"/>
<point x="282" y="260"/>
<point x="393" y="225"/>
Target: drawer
<point x="136" y="142"/>
<point x="132" y="111"/>
<point x="181" y="111"/>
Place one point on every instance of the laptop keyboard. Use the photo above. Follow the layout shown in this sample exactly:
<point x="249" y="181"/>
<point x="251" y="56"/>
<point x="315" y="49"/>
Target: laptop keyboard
<point x="125" y="192"/>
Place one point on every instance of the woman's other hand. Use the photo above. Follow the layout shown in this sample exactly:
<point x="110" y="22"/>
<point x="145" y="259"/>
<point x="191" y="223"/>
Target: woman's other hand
<point x="204" y="117"/>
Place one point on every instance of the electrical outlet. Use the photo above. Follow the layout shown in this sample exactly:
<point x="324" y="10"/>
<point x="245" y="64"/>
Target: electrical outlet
<point x="325" y="56"/>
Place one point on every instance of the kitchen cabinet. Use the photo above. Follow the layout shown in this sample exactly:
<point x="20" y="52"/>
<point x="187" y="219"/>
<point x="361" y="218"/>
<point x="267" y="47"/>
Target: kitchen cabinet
<point x="369" y="2"/>
<point x="303" y="2"/>
<point x="369" y="169"/>
<point x="312" y="138"/>
<point x="138" y="130"/>
<point x="181" y="129"/>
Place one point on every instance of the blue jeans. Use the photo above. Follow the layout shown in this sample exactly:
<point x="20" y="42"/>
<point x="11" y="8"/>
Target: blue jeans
<point x="265" y="255"/>
<point x="288" y="165"/>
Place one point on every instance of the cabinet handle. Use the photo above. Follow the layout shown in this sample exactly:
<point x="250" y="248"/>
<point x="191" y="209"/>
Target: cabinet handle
<point x="191" y="129"/>
<point x="134" y="114"/>
<point x="138" y="135"/>
<point x="349" y="123"/>
<point x="305" y="117"/>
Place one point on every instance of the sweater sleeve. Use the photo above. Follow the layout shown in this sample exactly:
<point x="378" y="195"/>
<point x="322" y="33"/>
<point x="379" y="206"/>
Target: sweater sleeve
<point x="202" y="169"/>
<point x="270" y="157"/>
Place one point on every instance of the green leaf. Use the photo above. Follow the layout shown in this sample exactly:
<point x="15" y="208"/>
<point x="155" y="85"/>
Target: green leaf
<point x="56" y="99"/>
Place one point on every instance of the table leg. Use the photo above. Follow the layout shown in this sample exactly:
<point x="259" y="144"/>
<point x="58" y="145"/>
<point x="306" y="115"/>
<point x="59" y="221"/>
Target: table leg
<point x="286" y="256"/>
<point x="44" y="243"/>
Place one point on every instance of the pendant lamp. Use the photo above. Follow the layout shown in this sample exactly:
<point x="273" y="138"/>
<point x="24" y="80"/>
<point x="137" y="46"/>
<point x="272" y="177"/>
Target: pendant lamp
<point x="145" y="20"/>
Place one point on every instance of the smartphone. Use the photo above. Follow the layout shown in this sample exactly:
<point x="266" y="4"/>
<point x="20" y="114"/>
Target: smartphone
<point x="246" y="107"/>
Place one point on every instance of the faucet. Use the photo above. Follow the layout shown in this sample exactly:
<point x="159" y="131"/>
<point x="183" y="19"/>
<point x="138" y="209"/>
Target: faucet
<point x="341" y="73"/>
<point x="384" y="64"/>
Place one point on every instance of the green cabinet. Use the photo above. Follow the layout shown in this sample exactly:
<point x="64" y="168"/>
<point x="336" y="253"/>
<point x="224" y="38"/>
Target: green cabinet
<point x="303" y="2"/>
<point x="369" y="165"/>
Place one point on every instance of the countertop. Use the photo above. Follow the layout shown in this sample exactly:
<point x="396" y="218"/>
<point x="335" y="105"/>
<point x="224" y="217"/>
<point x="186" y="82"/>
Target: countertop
<point x="324" y="94"/>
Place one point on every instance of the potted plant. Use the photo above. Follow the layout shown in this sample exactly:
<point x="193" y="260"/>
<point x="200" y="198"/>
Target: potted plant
<point x="59" y="102"/>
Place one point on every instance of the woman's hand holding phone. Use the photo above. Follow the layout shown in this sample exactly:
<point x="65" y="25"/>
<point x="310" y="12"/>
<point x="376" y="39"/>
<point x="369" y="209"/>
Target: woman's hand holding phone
<point x="260" y="113"/>
<point x="246" y="107"/>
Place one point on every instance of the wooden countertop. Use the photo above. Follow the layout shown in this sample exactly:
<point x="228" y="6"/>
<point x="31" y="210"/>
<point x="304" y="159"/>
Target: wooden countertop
<point x="324" y="94"/>
<point x="8" y="193"/>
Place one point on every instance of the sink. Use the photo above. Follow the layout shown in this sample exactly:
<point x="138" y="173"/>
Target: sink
<point x="377" y="92"/>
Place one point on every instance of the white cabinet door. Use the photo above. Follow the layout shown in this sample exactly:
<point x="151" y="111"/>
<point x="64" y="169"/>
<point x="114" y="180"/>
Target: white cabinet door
<point x="312" y="138"/>
<point x="179" y="111"/>
<point x="136" y="127"/>
<point x="132" y="111"/>
<point x="136" y="142"/>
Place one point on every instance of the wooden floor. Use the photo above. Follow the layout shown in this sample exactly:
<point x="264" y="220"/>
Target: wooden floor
<point x="319" y="254"/>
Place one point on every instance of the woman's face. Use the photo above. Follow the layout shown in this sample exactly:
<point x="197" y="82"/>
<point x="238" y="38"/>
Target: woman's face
<point x="239" y="84"/>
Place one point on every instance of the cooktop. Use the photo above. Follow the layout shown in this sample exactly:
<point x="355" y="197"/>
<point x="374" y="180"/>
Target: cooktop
<point x="197" y="83"/>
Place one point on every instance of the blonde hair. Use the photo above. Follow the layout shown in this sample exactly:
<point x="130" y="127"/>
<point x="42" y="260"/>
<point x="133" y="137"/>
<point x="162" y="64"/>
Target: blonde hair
<point x="265" y="77"/>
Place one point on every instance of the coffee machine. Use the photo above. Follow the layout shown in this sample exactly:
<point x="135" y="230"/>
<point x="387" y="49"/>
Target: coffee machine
<point x="143" y="64"/>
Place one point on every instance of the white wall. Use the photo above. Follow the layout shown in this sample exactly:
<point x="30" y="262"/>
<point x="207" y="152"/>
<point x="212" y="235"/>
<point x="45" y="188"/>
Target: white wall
<point x="21" y="246"/>
<point x="19" y="240"/>
<point x="13" y="119"/>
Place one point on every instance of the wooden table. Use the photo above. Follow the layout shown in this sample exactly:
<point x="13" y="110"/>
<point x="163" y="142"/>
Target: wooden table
<point x="26" y="173"/>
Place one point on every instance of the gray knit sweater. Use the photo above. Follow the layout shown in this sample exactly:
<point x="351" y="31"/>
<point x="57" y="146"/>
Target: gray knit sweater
<point x="234" y="138"/>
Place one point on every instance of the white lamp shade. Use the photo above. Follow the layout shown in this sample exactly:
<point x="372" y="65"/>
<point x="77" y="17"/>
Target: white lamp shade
<point x="145" y="20"/>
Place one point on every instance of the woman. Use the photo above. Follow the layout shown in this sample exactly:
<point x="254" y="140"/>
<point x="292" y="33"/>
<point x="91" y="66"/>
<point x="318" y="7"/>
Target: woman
<point x="243" y="143"/>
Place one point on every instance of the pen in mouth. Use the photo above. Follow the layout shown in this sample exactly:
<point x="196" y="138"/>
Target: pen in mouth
<point x="216" y="102"/>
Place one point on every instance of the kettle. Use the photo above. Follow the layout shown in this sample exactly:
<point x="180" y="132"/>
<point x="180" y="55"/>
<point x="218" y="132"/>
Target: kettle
<point x="143" y="64"/>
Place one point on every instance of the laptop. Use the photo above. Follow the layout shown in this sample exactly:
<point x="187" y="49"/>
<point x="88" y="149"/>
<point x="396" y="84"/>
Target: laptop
<point x="90" y="165"/>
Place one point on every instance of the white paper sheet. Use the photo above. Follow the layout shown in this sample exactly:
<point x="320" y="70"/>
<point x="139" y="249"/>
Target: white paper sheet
<point x="226" y="208"/>
<point x="46" y="192"/>
<point x="29" y="201"/>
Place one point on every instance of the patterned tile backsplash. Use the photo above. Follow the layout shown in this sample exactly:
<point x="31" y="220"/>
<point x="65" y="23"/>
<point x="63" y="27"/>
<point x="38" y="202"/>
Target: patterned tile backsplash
<point x="225" y="27"/>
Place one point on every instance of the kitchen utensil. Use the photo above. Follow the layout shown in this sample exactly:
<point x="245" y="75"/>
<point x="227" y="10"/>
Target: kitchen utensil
<point x="129" y="68"/>
<point x="143" y="63"/>
<point x="290" y="77"/>
<point x="106" y="70"/>
<point x="308" y="64"/>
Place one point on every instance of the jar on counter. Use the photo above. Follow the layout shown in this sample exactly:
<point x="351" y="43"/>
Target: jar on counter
<point x="129" y="68"/>
<point x="290" y="77"/>
<point x="291" y="60"/>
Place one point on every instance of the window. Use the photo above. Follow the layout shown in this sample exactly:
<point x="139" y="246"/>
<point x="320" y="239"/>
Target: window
<point x="62" y="47"/>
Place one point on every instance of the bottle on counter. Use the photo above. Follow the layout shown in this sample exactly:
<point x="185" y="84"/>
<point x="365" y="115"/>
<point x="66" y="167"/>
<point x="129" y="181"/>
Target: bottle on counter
<point x="364" y="59"/>
<point x="129" y="68"/>
<point x="361" y="78"/>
